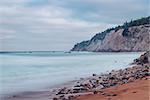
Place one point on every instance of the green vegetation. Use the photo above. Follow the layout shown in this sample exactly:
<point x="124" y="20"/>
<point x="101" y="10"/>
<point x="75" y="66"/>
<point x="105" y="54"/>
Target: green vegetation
<point x="125" y="33"/>
<point x="125" y="26"/>
<point x="101" y="36"/>
<point x="137" y="22"/>
<point x="82" y="44"/>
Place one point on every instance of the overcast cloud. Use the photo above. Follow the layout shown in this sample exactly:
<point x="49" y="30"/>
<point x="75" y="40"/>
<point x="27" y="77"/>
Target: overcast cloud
<point x="59" y="24"/>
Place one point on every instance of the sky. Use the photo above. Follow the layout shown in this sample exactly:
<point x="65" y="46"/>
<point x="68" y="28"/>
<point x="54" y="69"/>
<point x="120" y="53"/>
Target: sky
<point x="59" y="24"/>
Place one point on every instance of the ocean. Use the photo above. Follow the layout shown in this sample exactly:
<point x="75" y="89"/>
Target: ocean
<point x="36" y="70"/>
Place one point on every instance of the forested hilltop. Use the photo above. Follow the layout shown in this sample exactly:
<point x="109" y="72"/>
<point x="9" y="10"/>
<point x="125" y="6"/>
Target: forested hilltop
<point x="131" y="36"/>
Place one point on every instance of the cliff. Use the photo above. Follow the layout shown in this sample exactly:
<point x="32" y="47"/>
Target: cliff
<point x="131" y="36"/>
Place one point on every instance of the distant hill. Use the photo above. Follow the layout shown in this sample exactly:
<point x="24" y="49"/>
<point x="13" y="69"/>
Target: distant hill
<point x="131" y="36"/>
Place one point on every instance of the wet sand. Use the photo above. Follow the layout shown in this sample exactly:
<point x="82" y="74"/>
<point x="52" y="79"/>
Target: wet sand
<point x="137" y="90"/>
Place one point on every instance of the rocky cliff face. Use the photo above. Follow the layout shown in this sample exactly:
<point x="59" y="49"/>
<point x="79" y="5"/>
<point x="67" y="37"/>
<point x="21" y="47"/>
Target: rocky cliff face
<point x="122" y="38"/>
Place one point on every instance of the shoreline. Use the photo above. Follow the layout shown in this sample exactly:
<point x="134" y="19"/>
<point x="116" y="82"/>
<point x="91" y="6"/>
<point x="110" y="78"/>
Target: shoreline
<point x="89" y="85"/>
<point x="138" y="89"/>
<point x="78" y="91"/>
<point x="96" y="83"/>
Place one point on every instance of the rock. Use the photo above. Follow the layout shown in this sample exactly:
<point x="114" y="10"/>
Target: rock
<point x="62" y="91"/>
<point x="96" y="83"/>
<point x="103" y="93"/>
<point x="134" y="92"/>
<point x="95" y="92"/>
<point x="143" y="59"/>
<point x="71" y="97"/>
<point x="114" y="94"/>
<point x="131" y="79"/>
<point x="109" y="98"/>
<point x="87" y="84"/>
<point x="64" y="99"/>
<point x="79" y="89"/>
<point x="136" y="39"/>
<point x="94" y="75"/>
<point x="111" y="95"/>
<point x="62" y="96"/>
<point x="55" y="98"/>
<point x="98" y="88"/>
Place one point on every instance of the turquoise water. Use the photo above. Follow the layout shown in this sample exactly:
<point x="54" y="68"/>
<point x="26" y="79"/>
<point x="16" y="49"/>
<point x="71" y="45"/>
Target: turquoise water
<point x="32" y="71"/>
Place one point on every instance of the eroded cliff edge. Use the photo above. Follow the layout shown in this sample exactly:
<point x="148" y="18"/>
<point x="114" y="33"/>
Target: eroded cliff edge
<point x="131" y="36"/>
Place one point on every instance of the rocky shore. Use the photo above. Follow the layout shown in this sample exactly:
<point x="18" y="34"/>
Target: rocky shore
<point x="96" y="86"/>
<point x="96" y="83"/>
<point x="136" y="90"/>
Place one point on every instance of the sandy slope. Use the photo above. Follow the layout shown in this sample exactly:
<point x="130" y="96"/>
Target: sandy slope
<point x="137" y="90"/>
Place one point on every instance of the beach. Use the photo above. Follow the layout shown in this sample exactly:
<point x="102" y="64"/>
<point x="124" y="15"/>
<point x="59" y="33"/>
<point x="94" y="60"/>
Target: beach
<point x="115" y="85"/>
<point x="97" y="86"/>
<point x="128" y="83"/>
<point x="137" y="90"/>
<point x="74" y="50"/>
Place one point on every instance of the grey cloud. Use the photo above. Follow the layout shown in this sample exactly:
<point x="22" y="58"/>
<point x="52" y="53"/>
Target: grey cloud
<point x="58" y="25"/>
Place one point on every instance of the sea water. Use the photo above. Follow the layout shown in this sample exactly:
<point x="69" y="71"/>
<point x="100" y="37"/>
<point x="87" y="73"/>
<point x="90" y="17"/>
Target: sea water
<point x="32" y="71"/>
